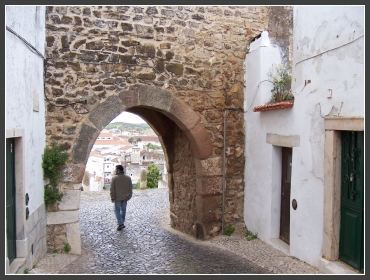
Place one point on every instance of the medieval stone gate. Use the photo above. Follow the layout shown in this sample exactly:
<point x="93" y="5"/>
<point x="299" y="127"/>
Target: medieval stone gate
<point x="181" y="70"/>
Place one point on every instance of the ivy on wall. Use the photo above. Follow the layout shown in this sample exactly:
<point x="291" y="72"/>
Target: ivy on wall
<point x="53" y="162"/>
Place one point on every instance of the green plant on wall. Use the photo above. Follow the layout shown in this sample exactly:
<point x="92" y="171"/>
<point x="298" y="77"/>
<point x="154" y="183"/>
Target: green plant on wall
<point x="250" y="235"/>
<point x="281" y="78"/>
<point x="67" y="247"/>
<point x="53" y="162"/>
<point x="229" y="230"/>
<point x="51" y="194"/>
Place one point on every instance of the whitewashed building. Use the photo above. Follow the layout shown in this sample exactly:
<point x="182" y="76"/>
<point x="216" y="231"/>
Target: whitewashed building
<point x="25" y="137"/>
<point x="95" y="170"/>
<point x="304" y="172"/>
<point x="110" y="143"/>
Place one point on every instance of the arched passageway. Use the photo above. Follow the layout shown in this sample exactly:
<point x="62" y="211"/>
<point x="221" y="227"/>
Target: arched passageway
<point x="185" y="141"/>
<point x="181" y="70"/>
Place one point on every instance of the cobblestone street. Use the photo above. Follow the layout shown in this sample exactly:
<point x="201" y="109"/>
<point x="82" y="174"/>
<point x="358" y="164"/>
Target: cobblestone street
<point x="148" y="245"/>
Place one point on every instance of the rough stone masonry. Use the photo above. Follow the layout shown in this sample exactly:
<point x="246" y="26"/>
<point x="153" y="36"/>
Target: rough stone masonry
<point x="178" y="67"/>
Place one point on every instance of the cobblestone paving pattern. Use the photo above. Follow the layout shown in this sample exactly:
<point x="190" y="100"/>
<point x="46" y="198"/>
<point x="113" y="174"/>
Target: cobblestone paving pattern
<point x="144" y="247"/>
<point x="148" y="245"/>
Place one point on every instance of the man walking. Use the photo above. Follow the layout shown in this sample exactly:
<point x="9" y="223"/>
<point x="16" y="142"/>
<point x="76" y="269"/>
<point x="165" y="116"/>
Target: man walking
<point x="120" y="193"/>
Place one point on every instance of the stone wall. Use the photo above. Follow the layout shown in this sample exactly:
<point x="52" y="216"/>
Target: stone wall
<point x="183" y="212"/>
<point x="178" y="67"/>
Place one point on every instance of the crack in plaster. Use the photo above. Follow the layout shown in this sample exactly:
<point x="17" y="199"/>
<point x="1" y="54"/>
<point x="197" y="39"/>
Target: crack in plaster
<point x="315" y="133"/>
<point x="333" y="110"/>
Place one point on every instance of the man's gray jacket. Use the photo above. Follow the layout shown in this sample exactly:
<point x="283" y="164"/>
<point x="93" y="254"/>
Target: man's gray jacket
<point x="121" y="187"/>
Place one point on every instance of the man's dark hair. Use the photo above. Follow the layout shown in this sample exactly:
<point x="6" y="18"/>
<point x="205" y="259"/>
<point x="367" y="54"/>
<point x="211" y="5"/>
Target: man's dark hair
<point x="119" y="167"/>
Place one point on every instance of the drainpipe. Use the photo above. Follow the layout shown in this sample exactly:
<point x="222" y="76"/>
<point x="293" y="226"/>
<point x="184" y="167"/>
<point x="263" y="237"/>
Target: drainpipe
<point x="223" y="173"/>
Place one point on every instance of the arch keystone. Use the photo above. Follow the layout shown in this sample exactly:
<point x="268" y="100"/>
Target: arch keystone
<point x="129" y="98"/>
<point x="156" y="98"/>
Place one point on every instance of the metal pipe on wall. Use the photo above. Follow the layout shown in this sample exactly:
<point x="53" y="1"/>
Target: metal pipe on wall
<point x="223" y="174"/>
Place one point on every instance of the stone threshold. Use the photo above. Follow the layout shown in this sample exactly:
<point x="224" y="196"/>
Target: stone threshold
<point x="16" y="264"/>
<point x="281" y="245"/>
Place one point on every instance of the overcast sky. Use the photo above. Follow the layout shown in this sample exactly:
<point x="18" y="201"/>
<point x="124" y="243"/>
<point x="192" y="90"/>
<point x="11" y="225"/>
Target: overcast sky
<point x="128" y="118"/>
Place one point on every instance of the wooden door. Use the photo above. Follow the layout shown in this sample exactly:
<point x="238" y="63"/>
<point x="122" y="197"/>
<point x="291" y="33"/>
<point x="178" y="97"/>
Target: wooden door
<point x="10" y="201"/>
<point x="351" y="244"/>
<point x="285" y="194"/>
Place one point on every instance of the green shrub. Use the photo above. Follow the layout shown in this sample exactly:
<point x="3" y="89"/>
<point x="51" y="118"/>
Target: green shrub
<point x="229" y="230"/>
<point x="53" y="162"/>
<point x="67" y="247"/>
<point x="153" y="176"/>
<point x="250" y="235"/>
<point x="26" y="271"/>
<point x="281" y="78"/>
<point x="51" y="194"/>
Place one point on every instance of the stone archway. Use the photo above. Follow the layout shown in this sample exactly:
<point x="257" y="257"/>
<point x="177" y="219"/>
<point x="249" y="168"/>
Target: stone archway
<point x="194" y="173"/>
<point x="180" y="69"/>
<point x="174" y="122"/>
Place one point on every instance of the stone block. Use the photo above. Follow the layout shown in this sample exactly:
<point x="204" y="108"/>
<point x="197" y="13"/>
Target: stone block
<point x="62" y="217"/>
<point x="201" y="144"/>
<point x="171" y="196"/>
<point x="153" y="97"/>
<point x="207" y="208"/>
<point x="106" y="111"/>
<point x="183" y="115"/>
<point x="175" y="68"/>
<point x="129" y="98"/>
<point x="73" y="238"/>
<point x="170" y="181"/>
<point x="70" y="200"/>
<point x="209" y="185"/>
<point x="73" y="173"/>
<point x="82" y="146"/>
<point x="209" y="167"/>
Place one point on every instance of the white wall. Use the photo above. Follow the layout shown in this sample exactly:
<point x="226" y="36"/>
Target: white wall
<point x="261" y="187"/>
<point x="24" y="77"/>
<point x="25" y="122"/>
<point x="328" y="52"/>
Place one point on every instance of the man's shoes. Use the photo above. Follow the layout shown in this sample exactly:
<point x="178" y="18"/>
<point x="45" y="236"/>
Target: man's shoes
<point x="120" y="227"/>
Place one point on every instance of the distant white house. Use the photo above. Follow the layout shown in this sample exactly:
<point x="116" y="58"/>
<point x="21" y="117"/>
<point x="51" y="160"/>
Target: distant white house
<point x="146" y="139"/>
<point x="105" y="135"/>
<point x="108" y="151"/>
<point x="135" y="155"/>
<point x="106" y="140"/>
<point x="95" y="169"/>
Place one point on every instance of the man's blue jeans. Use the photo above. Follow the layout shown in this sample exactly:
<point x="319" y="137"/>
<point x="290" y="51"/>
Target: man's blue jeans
<point x="120" y="211"/>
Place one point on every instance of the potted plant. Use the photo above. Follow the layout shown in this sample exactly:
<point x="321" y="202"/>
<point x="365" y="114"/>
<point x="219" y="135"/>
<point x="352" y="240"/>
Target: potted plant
<point x="281" y="78"/>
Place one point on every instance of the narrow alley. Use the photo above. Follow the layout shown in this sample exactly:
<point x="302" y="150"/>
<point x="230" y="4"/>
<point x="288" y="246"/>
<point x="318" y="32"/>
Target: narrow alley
<point x="148" y="245"/>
